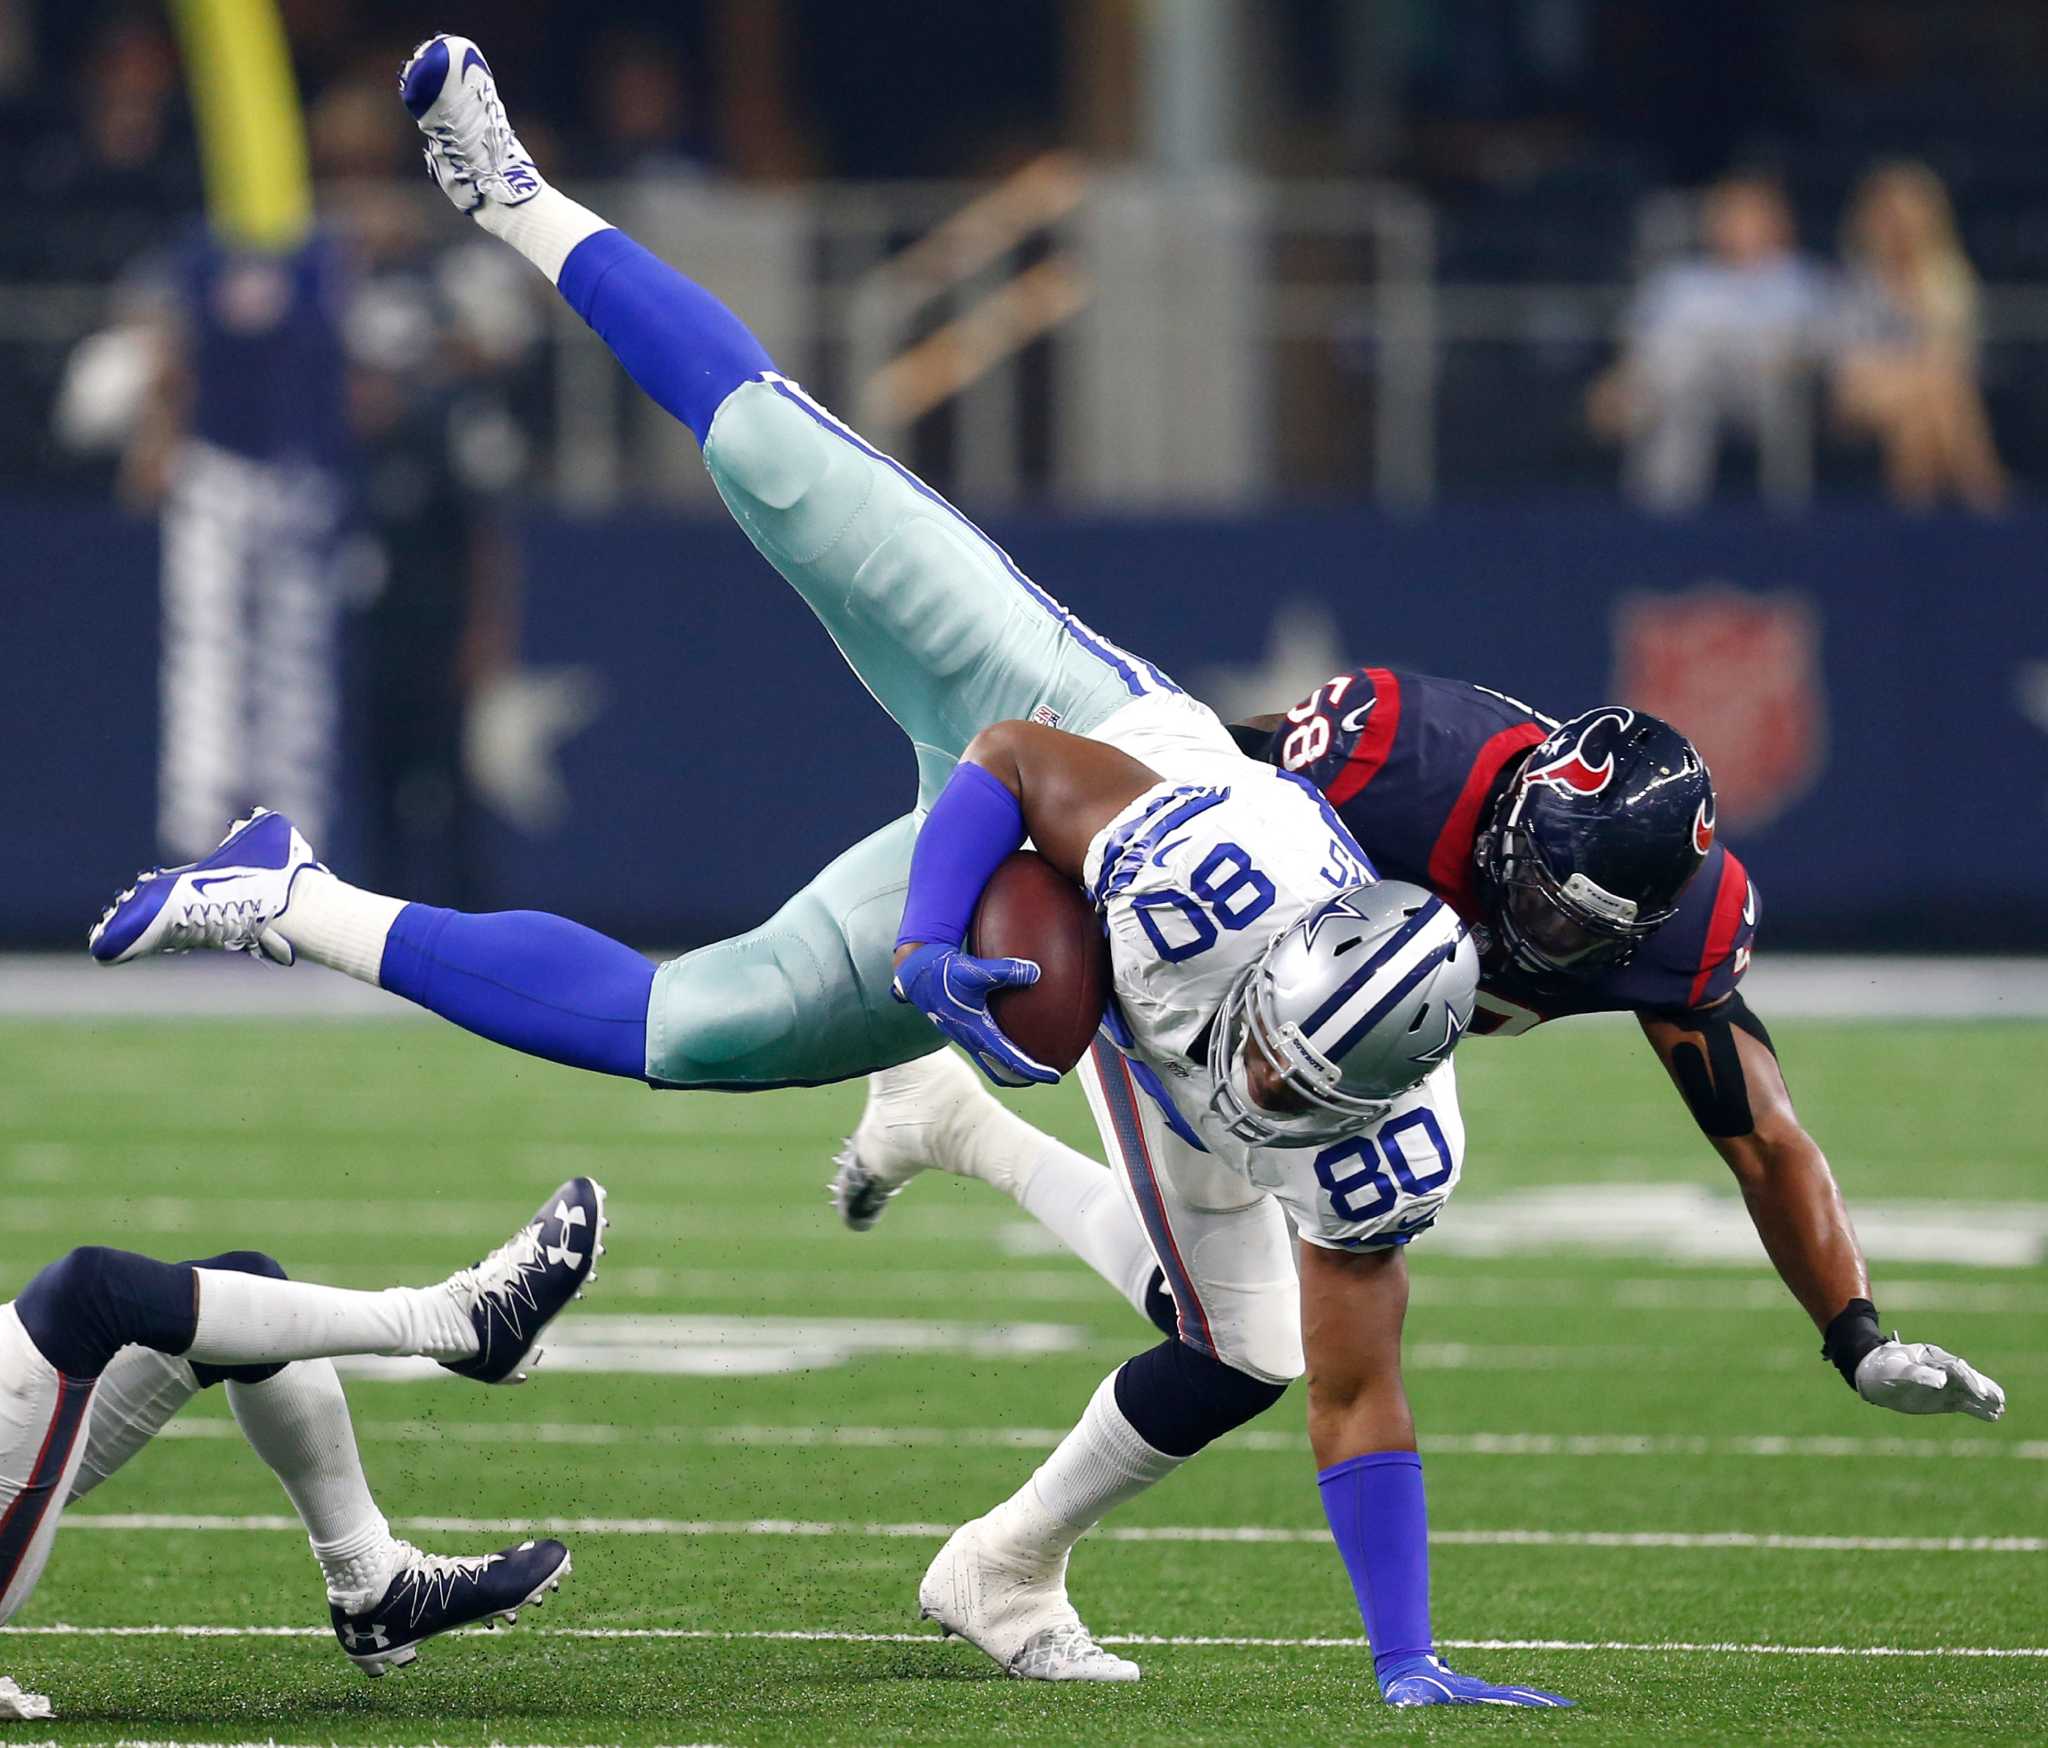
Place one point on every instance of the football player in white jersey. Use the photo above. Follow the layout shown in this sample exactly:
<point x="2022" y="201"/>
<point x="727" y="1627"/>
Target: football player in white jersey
<point x="1289" y="1025"/>
<point x="1268" y="1075"/>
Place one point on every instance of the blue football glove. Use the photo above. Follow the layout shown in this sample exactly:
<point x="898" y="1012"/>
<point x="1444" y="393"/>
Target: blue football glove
<point x="1423" y="1681"/>
<point x="953" y="988"/>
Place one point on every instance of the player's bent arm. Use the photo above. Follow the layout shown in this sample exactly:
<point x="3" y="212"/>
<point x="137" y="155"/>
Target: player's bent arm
<point x="1017" y="779"/>
<point x="1067" y="787"/>
<point x="1723" y="1063"/>
<point x="1353" y="1304"/>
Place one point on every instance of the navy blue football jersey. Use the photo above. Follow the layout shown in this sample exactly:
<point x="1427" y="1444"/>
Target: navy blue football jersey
<point x="1412" y="764"/>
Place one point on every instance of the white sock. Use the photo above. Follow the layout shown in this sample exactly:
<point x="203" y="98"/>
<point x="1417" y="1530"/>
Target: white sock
<point x="137" y="1394"/>
<point x="1083" y="1205"/>
<point x="543" y="229"/>
<point x="298" y="1423"/>
<point x="252" y="1320"/>
<point x="338" y="925"/>
<point x="1094" y="1469"/>
<point x="1077" y="1199"/>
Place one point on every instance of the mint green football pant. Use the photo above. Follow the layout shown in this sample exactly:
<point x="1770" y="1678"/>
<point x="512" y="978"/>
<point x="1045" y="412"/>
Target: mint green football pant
<point x="949" y="636"/>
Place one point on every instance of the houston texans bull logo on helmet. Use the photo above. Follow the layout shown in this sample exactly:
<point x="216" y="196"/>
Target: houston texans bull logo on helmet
<point x="1563" y="761"/>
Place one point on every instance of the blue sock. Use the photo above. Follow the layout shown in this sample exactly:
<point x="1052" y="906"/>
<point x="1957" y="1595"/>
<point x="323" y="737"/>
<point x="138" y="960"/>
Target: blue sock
<point x="92" y="1302"/>
<point x="1378" y="1514"/>
<point x="539" y="983"/>
<point x="677" y="341"/>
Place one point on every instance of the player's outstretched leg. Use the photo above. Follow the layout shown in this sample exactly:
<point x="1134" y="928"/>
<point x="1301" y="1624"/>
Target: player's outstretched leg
<point x="538" y="983"/>
<point x="385" y="1596"/>
<point x="938" y="622"/>
<point x="801" y="1000"/>
<point x="937" y="1114"/>
<point x="481" y="1322"/>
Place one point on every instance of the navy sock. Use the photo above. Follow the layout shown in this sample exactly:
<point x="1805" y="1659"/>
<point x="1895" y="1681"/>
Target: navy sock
<point x="1380" y="1519"/>
<point x="539" y="983"/>
<point x="89" y="1304"/>
<point x="677" y="341"/>
<point x="1177" y="1399"/>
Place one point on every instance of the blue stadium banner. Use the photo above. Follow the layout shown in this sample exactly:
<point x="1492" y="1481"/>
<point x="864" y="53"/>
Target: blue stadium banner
<point x="1871" y="691"/>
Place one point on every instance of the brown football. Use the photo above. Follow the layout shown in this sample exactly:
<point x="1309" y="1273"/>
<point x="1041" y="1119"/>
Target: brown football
<point x="1029" y="910"/>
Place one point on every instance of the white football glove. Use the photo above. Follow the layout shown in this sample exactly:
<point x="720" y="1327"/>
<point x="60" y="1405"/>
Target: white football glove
<point x="1920" y="1378"/>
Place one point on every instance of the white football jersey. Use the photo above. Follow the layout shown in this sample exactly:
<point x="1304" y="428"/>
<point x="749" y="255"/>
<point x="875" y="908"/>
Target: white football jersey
<point x="1194" y="880"/>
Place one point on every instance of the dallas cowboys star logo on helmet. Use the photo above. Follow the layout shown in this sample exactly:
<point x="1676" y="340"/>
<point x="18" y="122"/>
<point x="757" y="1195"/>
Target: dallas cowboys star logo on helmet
<point x="1345" y="904"/>
<point x="1454" y="1029"/>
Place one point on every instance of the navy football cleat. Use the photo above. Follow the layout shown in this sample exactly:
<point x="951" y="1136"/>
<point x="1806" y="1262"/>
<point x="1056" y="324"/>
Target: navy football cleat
<point x="227" y="900"/>
<point x="436" y="1593"/>
<point x="523" y="1285"/>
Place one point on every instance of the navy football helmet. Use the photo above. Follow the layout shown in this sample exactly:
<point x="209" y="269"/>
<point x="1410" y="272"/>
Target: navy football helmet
<point x="1593" y="840"/>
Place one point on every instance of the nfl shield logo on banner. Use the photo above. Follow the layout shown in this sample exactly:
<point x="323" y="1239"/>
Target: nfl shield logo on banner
<point x="1740" y="673"/>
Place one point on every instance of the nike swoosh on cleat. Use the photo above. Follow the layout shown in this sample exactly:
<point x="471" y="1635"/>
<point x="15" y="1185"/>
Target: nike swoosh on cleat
<point x="471" y="58"/>
<point x="200" y="885"/>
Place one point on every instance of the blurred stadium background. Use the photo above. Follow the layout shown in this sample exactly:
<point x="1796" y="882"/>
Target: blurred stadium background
<point x="1695" y="356"/>
<point x="1690" y="355"/>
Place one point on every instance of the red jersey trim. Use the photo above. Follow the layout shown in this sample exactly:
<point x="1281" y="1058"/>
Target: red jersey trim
<point x="1451" y="871"/>
<point x="1729" y="898"/>
<point x="1375" y="740"/>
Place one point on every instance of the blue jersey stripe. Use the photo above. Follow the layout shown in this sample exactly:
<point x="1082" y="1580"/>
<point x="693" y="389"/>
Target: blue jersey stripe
<point x="1126" y="666"/>
<point x="1124" y="855"/>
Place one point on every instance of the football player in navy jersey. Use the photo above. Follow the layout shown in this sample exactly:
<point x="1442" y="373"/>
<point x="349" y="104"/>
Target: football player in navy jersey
<point x="1583" y="855"/>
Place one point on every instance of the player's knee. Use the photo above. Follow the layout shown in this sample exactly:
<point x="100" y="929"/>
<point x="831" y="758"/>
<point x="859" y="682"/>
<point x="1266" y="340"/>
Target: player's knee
<point x="91" y="1302"/>
<point x="736" y="1013"/>
<point x="72" y="1285"/>
<point x="1257" y="1332"/>
<point x="1179" y="1399"/>
<point x="768" y="446"/>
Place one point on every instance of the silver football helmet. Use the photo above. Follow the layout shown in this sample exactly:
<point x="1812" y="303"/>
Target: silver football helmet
<point x="1353" y="1005"/>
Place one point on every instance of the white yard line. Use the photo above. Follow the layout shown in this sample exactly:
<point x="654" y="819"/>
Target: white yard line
<point x="69" y="985"/>
<point x="815" y="1636"/>
<point x="1316" y="1535"/>
<point x="1252" y="1440"/>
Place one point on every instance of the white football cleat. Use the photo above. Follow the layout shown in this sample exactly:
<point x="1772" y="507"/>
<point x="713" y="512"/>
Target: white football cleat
<point x="227" y="901"/>
<point x="1019" y="1614"/>
<point x="916" y="1118"/>
<point x="472" y="152"/>
<point x="15" y="1703"/>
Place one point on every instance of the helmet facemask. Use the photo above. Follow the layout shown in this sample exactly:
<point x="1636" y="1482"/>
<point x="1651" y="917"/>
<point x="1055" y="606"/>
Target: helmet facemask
<point x="1552" y="927"/>
<point x="1248" y="1017"/>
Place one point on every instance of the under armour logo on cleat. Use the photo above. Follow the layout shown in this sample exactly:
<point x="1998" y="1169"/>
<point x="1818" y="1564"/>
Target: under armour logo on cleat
<point x="561" y="1253"/>
<point x="375" y="1638"/>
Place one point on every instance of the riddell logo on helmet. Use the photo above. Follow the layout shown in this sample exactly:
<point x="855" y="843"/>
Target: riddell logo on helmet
<point x="1570" y="772"/>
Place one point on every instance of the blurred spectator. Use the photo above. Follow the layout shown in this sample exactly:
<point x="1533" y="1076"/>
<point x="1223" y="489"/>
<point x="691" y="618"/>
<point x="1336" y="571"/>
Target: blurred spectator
<point x="1715" y="344"/>
<point x="641" y="104"/>
<point x="115" y="176"/>
<point x="1908" y="374"/>
<point x="435" y="449"/>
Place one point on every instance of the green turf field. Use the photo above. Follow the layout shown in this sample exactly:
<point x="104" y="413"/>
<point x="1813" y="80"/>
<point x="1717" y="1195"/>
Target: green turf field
<point x="1565" y="1394"/>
